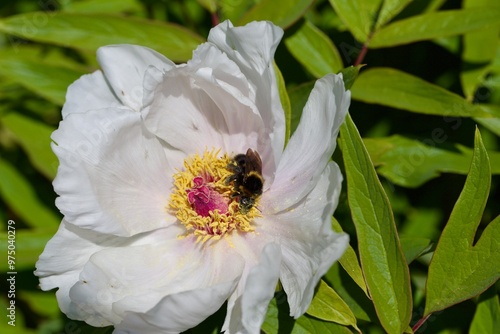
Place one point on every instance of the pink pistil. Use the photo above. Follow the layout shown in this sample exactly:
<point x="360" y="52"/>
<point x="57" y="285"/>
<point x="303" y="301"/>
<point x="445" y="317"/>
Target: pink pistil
<point x="203" y="198"/>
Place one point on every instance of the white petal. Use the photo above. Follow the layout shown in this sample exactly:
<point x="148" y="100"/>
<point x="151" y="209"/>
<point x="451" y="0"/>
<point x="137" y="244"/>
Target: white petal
<point x="124" y="67"/>
<point x="224" y="83"/>
<point x="308" y="244"/>
<point x="118" y="282"/>
<point x="249" y="310"/>
<point x="311" y="146"/>
<point x="252" y="48"/>
<point x="178" y="312"/>
<point x="113" y="175"/>
<point x="184" y="116"/>
<point x="90" y="92"/>
<point x="65" y="255"/>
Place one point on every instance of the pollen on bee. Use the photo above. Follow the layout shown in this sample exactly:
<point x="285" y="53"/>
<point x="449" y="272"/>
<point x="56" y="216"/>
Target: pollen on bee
<point x="202" y="199"/>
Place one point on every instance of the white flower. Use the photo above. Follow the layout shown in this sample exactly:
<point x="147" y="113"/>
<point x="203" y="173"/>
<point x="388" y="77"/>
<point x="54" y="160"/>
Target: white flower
<point x="154" y="237"/>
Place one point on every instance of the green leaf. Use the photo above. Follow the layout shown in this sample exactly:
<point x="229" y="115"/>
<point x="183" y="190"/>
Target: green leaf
<point x="414" y="247"/>
<point x="349" y="261"/>
<point x="357" y="300"/>
<point x="42" y="303"/>
<point x="21" y="198"/>
<point x="382" y="259"/>
<point x="390" y="8"/>
<point x="434" y="25"/>
<point x="298" y="98"/>
<point x="34" y="137"/>
<point x="314" y="50"/>
<point x="410" y="163"/>
<point x="350" y="74"/>
<point x="285" y="102"/>
<point x="461" y="269"/>
<point x="210" y="5"/>
<point x="327" y="305"/>
<point x="422" y="223"/>
<point x="278" y="321"/>
<point x="400" y="90"/>
<point x="45" y="79"/>
<point x="359" y="16"/>
<point x="487" y="316"/>
<point x="89" y="32"/>
<point x="234" y="10"/>
<point x="492" y="124"/>
<point x="479" y="49"/>
<point x="30" y="243"/>
<point x="281" y="12"/>
<point x="102" y="6"/>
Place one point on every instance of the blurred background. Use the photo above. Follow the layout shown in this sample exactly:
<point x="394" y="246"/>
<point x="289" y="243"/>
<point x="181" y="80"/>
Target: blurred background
<point x="422" y="149"/>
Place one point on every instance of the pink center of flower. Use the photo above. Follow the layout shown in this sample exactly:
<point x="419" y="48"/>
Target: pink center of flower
<point x="203" y="198"/>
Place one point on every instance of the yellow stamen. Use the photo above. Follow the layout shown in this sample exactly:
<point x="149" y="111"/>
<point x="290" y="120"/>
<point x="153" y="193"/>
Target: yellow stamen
<point x="214" y="172"/>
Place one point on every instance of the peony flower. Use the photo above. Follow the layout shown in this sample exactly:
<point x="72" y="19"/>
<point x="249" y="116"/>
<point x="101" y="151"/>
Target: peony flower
<point x="164" y="216"/>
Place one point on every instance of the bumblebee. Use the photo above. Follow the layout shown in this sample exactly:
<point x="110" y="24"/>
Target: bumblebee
<point x="247" y="179"/>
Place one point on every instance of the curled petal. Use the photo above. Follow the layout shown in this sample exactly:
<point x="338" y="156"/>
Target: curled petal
<point x="90" y="92"/>
<point x="311" y="146"/>
<point x="248" y="311"/>
<point x="252" y="48"/>
<point x="124" y="66"/>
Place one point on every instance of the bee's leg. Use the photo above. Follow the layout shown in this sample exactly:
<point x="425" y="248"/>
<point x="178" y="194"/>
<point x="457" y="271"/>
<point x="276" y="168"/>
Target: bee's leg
<point x="232" y="178"/>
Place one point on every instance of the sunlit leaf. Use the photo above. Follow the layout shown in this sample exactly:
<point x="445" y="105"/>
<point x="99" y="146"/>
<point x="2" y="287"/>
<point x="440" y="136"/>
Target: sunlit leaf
<point x="101" y="6"/>
<point x="435" y="24"/>
<point x="44" y="303"/>
<point x="34" y="137"/>
<point x="460" y="267"/>
<point x="277" y="321"/>
<point x="492" y="124"/>
<point x="349" y="291"/>
<point x="487" y="316"/>
<point x="234" y="10"/>
<point x="349" y="261"/>
<point x="45" y="79"/>
<point x="400" y="90"/>
<point x="327" y="305"/>
<point x="89" y="32"/>
<point x="411" y="163"/>
<point x="359" y="16"/>
<point x="210" y="5"/>
<point x="281" y="12"/>
<point x="479" y="49"/>
<point x="314" y="50"/>
<point x="382" y="259"/>
<point x="390" y="8"/>
<point x="17" y="192"/>
<point x="30" y="243"/>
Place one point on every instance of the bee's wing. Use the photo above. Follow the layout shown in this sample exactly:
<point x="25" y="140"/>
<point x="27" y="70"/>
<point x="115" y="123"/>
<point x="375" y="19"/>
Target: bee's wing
<point x="253" y="162"/>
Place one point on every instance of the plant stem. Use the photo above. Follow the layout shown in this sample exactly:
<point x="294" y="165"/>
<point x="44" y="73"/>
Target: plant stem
<point x="420" y="323"/>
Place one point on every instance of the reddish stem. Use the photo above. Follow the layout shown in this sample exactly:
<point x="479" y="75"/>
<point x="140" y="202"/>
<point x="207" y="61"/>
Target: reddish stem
<point x="420" y="323"/>
<point x="215" y="19"/>
<point x="361" y="55"/>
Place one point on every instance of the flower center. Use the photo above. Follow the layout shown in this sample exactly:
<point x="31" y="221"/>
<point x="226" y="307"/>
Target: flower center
<point x="205" y="200"/>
